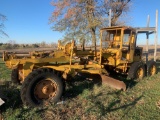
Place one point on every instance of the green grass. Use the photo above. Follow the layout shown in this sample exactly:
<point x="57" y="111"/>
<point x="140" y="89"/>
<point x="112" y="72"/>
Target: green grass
<point x="84" y="100"/>
<point x="4" y="72"/>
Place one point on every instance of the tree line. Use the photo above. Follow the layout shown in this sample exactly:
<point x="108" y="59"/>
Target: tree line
<point x="13" y="45"/>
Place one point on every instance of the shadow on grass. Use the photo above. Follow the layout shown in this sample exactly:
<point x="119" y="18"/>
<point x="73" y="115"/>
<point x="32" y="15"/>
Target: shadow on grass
<point x="74" y="88"/>
<point x="112" y="106"/>
<point x="11" y="95"/>
<point x="84" y="81"/>
<point x="81" y="82"/>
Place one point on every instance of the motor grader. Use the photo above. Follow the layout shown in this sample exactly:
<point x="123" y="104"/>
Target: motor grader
<point x="42" y="74"/>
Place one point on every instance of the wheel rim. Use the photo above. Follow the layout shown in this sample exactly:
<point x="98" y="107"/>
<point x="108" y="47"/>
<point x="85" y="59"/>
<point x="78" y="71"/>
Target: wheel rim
<point x="153" y="70"/>
<point x="140" y="73"/>
<point x="45" y="89"/>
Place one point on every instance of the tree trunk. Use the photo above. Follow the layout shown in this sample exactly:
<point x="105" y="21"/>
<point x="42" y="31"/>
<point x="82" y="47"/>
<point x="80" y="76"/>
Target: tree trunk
<point x="93" y="34"/>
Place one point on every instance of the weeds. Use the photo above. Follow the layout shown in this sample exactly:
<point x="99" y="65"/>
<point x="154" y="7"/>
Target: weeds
<point x="85" y="100"/>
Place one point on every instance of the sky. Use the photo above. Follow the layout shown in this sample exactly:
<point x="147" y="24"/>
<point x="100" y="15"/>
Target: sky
<point x="28" y="20"/>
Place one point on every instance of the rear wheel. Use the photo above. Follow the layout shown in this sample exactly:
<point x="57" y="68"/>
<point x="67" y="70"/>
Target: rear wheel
<point x="41" y="87"/>
<point x="151" y="68"/>
<point x="136" y="71"/>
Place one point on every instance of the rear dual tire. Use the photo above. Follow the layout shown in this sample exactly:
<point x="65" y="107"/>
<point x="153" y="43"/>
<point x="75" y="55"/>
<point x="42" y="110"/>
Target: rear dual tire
<point x="139" y="70"/>
<point x="151" y="68"/>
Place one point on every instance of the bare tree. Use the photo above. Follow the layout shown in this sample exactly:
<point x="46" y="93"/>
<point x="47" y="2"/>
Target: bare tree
<point x="43" y="44"/>
<point x="81" y="18"/>
<point x="118" y="7"/>
<point x="12" y="42"/>
<point x="2" y="19"/>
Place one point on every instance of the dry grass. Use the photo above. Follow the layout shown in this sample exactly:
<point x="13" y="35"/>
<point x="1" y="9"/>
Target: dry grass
<point x="85" y="100"/>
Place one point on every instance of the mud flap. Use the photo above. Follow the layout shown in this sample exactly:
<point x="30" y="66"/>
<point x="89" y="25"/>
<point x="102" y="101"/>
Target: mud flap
<point x="113" y="83"/>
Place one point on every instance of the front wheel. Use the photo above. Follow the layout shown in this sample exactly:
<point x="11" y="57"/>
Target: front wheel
<point x="137" y="70"/>
<point x="41" y="87"/>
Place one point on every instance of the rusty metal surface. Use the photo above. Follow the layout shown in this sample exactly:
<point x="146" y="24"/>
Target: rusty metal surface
<point x="113" y="83"/>
<point x="45" y="89"/>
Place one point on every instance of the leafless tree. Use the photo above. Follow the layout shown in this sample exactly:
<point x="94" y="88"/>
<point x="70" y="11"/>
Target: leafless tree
<point x="2" y="19"/>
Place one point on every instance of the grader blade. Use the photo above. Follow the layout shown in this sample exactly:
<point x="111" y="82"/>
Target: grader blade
<point x="113" y="83"/>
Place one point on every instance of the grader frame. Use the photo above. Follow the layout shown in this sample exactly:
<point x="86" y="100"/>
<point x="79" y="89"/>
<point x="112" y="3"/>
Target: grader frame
<point x="39" y="73"/>
<point x="63" y="59"/>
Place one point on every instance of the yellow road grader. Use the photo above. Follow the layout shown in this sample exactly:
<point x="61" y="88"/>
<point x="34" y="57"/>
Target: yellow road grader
<point x="42" y="74"/>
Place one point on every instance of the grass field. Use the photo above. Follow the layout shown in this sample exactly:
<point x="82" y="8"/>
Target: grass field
<point x="85" y="100"/>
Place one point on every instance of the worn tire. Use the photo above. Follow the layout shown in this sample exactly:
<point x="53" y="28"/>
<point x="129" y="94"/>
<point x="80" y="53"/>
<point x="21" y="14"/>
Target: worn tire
<point x="34" y="82"/>
<point x="14" y="76"/>
<point x="134" y="70"/>
<point x="151" y="68"/>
